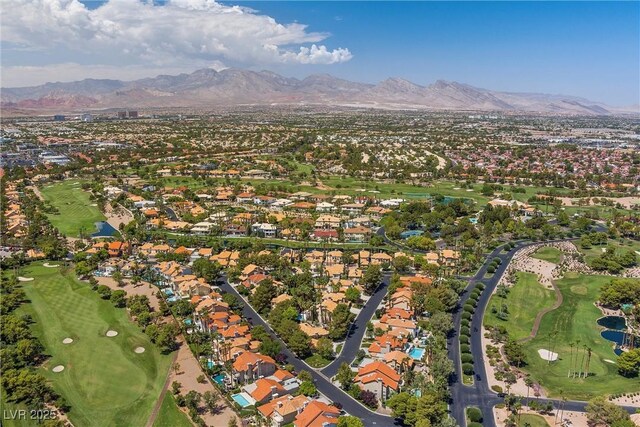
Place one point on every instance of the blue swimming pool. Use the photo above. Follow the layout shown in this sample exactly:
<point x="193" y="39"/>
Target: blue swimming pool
<point x="167" y="291"/>
<point x="188" y="322"/>
<point x="416" y="353"/>
<point x="240" y="400"/>
<point x="172" y="299"/>
<point x="219" y="379"/>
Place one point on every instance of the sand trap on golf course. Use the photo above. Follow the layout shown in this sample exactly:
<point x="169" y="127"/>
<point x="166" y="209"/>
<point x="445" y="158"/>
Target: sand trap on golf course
<point x="67" y="341"/>
<point x="24" y="279"/>
<point x="46" y="264"/>
<point x="94" y="204"/>
<point x="609" y="361"/>
<point x="139" y="350"/>
<point x="112" y="333"/>
<point x="548" y="355"/>
<point x="58" y="368"/>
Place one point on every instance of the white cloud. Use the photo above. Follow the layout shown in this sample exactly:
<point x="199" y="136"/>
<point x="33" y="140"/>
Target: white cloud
<point x="181" y="30"/>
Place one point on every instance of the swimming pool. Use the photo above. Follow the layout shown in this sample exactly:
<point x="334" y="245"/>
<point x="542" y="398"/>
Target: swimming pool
<point x="241" y="399"/>
<point x="219" y="379"/>
<point x="416" y="353"/>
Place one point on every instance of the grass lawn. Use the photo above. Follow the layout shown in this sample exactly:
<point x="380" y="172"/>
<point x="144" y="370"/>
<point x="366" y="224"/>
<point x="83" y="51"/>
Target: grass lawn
<point x="621" y="246"/>
<point x="317" y="361"/>
<point x="170" y="415"/>
<point x="75" y="211"/>
<point x="532" y="421"/>
<point x="524" y="301"/>
<point x="575" y="320"/>
<point x="104" y="381"/>
<point x="8" y="411"/>
<point x="547" y="253"/>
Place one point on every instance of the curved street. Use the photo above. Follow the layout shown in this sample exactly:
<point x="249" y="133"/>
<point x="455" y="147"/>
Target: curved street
<point x="479" y="394"/>
<point x="321" y="379"/>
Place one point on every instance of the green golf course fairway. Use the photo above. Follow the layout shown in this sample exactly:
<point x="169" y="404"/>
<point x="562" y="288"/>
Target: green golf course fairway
<point x="575" y="320"/>
<point x="525" y="300"/>
<point x="170" y="415"/>
<point x="547" y="253"/>
<point x="532" y="421"/>
<point x="104" y="380"/>
<point x="75" y="211"/>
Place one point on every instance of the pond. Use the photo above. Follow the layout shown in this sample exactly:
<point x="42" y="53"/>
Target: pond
<point x="620" y="338"/>
<point x="617" y="323"/>
<point x="104" y="230"/>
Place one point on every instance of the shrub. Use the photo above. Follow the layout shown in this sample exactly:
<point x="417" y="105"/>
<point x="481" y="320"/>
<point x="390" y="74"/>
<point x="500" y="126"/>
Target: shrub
<point x="465" y="348"/>
<point x="464" y="340"/>
<point x="491" y="269"/>
<point x="464" y="331"/>
<point x="474" y="425"/>
<point x="465" y="322"/>
<point x="466" y="358"/>
<point x="467" y="368"/>
<point x="480" y="286"/>
<point x="496" y="388"/>
<point x="474" y="415"/>
<point x="466" y="315"/>
<point x="469" y="308"/>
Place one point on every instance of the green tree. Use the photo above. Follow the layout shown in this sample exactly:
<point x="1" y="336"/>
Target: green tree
<point x="308" y="388"/>
<point x="349" y="421"/>
<point x="261" y="299"/>
<point x="324" y="346"/>
<point x="300" y="343"/>
<point x="341" y="319"/>
<point x="629" y="363"/>
<point x="345" y="376"/>
<point x="371" y="278"/>
<point x="601" y="412"/>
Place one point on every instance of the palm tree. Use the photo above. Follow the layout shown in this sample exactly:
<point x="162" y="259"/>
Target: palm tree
<point x="584" y="347"/>
<point x="575" y="366"/>
<point x="589" y="350"/>
<point x="529" y="383"/>
<point x="571" y="344"/>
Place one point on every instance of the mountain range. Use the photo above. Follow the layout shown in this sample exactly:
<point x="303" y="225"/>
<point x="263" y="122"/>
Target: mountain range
<point x="207" y="88"/>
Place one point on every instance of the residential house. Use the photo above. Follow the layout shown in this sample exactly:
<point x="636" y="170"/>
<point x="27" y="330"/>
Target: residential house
<point x="317" y="414"/>
<point x="379" y="378"/>
<point x="249" y="367"/>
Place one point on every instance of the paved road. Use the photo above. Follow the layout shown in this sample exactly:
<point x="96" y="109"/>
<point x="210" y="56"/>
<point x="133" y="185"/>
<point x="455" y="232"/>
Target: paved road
<point x="358" y="328"/>
<point x="480" y="394"/>
<point x="322" y="382"/>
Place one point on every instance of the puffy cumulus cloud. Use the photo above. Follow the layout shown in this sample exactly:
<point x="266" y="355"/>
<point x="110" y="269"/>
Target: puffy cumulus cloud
<point x="318" y="55"/>
<point x="179" y="31"/>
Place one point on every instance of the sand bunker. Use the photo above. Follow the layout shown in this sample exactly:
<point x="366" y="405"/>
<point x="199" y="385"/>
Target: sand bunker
<point x="46" y="264"/>
<point x="609" y="361"/>
<point x="111" y="333"/>
<point x="24" y="279"/>
<point x="139" y="350"/>
<point x="94" y="204"/>
<point x="67" y="341"/>
<point x="58" y="368"/>
<point x="548" y="355"/>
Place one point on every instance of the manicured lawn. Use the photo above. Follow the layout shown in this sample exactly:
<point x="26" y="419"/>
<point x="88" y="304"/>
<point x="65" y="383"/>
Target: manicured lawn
<point x="9" y="411"/>
<point x="104" y="380"/>
<point x="532" y="421"/>
<point x="575" y="320"/>
<point x="621" y="246"/>
<point x="524" y="301"/>
<point x="170" y="415"/>
<point x="547" y="253"/>
<point x="317" y="361"/>
<point x="75" y="211"/>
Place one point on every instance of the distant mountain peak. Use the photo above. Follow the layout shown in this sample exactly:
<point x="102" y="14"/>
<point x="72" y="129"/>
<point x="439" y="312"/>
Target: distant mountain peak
<point x="206" y="88"/>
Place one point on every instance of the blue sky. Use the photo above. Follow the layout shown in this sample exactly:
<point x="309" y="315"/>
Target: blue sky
<point x="589" y="49"/>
